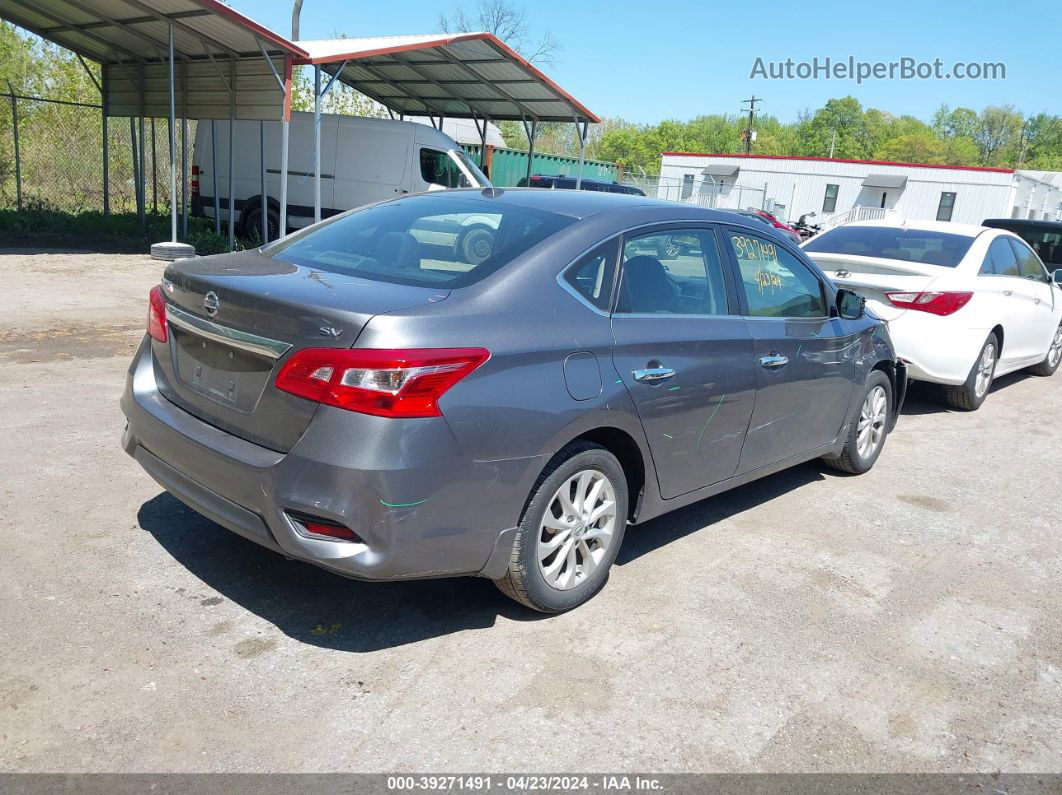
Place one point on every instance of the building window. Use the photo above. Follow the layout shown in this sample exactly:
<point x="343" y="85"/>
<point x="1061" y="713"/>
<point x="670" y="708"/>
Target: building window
<point x="829" y="204"/>
<point x="687" y="185"/>
<point x="947" y="204"/>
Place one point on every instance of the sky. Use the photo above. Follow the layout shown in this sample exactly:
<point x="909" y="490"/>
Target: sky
<point x="648" y="60"/>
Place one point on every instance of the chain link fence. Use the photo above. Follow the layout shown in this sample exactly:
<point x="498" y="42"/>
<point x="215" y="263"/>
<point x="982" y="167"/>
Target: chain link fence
<point x="51" y="157"/>
<point x="703" y="192"/>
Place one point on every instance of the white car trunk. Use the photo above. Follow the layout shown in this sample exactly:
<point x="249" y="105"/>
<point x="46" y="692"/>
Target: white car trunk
<point x="872" y="277"/>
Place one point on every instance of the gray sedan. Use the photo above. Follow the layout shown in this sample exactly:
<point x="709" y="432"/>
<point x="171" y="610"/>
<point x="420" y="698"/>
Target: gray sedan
<point x="360" y="397"/>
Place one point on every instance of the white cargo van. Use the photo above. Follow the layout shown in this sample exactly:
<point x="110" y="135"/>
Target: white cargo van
<point x="362" y="161"/>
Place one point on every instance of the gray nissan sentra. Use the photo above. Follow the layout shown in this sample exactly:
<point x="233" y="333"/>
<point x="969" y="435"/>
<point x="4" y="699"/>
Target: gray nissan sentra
<point x="497" y="383"/>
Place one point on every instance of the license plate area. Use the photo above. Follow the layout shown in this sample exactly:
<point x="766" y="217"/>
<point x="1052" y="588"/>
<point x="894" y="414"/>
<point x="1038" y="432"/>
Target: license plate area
<point x="232" y="377"/>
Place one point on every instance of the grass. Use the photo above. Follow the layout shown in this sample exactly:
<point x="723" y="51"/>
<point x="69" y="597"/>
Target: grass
<point x="40" y="225"/>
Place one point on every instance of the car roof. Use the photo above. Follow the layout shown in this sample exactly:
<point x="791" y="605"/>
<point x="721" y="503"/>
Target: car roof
<point x="582" y="203"/>
<point x="945" y="227"/>
<point x="1007" y="223"/>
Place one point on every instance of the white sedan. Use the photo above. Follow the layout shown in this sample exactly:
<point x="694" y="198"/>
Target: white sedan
<point x="964" y="303"/>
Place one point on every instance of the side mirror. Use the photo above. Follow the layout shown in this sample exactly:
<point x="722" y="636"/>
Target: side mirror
<point x="850" y="305"/>
<point x="1056" y="277"/>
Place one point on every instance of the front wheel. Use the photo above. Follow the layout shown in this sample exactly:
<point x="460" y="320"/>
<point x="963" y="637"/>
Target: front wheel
<point x="866" y="436"/>
<point x="571" y="530"/>
<point x="969" y="395"/>
<point x="1053" y="358"/>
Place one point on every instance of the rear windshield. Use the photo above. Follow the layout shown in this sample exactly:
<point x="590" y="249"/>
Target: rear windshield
<point x="893" y="242"/>
<point x="422" y="241"/>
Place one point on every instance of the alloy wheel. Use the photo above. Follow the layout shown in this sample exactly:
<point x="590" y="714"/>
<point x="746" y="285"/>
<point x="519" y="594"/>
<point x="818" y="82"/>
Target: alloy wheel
<point x="577" y="529"/>
<point x="1054" y="353"/>
<point x="872" y="418"/>
<point x="986" y="366"/>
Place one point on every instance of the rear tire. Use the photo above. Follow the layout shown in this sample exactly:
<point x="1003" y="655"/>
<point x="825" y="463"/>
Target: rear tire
<point x="869" y="429"/>
<point x="1054" y="357"/>
<point x="564" y="548"/>
<point x="251" y="224"/>
<point x="969" y="395"/>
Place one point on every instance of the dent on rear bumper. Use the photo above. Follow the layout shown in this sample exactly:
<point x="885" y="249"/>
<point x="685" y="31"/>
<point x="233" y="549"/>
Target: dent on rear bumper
<point x="422" y="509"/>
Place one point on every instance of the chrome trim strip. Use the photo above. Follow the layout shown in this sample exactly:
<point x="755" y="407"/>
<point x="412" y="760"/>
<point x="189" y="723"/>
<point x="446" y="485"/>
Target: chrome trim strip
<point x="263" y="346"/>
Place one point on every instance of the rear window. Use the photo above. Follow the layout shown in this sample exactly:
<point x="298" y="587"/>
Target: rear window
<point x="422" y="241"/>
<point x="893" y="242"/>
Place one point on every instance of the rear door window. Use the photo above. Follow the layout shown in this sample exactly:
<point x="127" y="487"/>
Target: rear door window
<point x="676" y="272"/>
<point x="776" y="283"/>
<point x="1000" y="259"/>
<point x="1028" y="263"/>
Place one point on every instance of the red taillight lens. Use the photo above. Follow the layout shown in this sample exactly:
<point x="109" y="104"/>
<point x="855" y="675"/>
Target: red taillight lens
<point x="387" y="383"/>
<point x="195" y="179"/>
<point x="938" y="303"/>
<point x="156" y="319"/>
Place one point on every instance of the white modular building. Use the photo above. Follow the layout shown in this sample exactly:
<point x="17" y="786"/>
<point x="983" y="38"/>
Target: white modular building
<point x="838" y="191"/>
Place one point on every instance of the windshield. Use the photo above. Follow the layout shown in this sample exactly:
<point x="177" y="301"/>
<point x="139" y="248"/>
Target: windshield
<point x="893" y="242"/>
<point x="423" y="241"/>
<point x="470" y="168"/>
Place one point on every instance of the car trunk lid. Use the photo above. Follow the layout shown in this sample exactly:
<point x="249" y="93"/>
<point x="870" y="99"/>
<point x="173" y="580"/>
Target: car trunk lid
<point x="232" y="320"/>
<point x="872" y="277"/>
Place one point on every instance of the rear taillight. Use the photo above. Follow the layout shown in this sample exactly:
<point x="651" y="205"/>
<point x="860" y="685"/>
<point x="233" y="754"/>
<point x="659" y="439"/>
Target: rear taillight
<point x="195" y="180"/>
<point x="387" y="383"/>
<point x="936" y="303"/>
<point x="156" y="319"/>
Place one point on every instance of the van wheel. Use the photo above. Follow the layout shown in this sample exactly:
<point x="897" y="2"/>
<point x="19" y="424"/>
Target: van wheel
<point x="970" y="395"/>
<point x="1053" y="358"/>
<point x="251" y="223"/>
<point x="475" y="244"/>
<point x="866" y="436"/>
<point x="570" y="532"/>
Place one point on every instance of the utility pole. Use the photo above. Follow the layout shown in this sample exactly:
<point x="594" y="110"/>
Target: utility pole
<point x="296" y="10"/>
<point x="833" y="142"/>
<point x="749" y="133"/>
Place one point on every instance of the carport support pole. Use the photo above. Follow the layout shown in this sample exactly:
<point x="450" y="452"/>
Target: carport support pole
<point x="173" y="149"/>
<point x="184" y="150"/>
<point x="214" y="172"/>
<point x="316" y="143"/>
<point x="106" y="143"/>
<point x="285" y="129"/>
<point x="232" y="144"/>
<point x="265" y="195"/>
<point x="18" y="158"/>
<point x="581" y="132"/>
<point x="136" y="167"/>
<point x="531" y="132"/>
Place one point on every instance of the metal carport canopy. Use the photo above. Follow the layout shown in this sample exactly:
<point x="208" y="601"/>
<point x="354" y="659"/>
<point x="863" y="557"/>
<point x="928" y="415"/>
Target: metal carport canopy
<point x="229" y="67"/>
<point x="468" y="75"/>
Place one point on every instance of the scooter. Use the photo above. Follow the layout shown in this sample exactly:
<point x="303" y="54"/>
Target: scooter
<point x="804" y="229"/>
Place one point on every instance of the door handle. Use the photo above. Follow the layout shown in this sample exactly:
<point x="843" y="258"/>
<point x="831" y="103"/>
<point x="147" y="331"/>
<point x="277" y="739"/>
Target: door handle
<point x="653" y="375"/>
<point x="773" y="361"/>
<point x="1036" y="300"/>
<point x="1008" y="292"/>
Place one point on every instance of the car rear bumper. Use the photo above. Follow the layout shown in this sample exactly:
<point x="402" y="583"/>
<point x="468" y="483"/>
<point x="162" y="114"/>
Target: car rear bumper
<point x="429" y="513"/>
<point x="936" y="349"/>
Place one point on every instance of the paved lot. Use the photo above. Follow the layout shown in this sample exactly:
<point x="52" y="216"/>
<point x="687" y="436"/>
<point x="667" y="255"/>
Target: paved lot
<point x="904" y="620"/>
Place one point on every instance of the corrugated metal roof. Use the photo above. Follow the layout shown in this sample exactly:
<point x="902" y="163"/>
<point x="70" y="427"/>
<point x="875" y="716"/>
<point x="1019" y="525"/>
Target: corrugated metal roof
<point x="137" y="31"/>
<point x="461" y="75"/>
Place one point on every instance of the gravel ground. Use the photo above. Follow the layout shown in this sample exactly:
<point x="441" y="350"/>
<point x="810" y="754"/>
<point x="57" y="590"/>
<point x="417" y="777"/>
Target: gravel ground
<point x="905" y="620"/>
